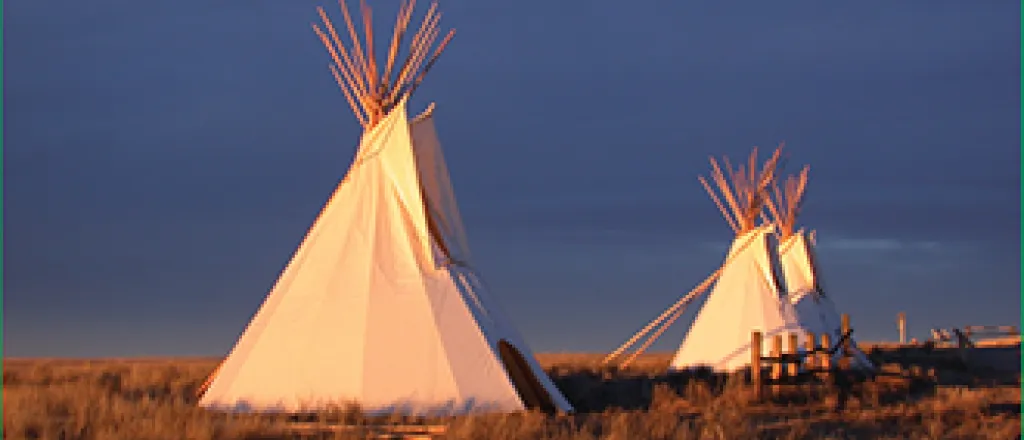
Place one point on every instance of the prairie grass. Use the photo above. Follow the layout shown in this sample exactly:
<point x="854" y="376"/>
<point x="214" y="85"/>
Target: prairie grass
<point x="918" y="396"/>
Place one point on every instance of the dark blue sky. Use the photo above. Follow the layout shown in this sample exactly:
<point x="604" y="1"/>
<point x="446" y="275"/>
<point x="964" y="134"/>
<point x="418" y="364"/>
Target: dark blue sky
<point x="163" y="159"/>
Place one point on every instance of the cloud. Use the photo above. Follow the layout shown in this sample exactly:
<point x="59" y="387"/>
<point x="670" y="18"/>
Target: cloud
<point x="880" y="245"/>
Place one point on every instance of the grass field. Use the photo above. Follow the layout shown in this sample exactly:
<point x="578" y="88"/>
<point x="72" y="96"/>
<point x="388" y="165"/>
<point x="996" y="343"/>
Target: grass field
<point x="919" y="395"/>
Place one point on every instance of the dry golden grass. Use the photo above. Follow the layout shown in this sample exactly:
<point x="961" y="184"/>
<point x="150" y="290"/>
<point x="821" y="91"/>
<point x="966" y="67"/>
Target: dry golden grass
<point x="153" y="399"/>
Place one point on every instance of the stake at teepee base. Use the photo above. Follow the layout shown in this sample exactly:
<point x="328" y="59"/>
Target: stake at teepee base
<point x="790" y="364"/>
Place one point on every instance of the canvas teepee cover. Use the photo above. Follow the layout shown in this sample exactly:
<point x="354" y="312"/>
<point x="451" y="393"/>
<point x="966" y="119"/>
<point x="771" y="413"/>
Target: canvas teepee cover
<point x="747" y="295"/>
<point x="380" y="304"/>
<point x="814" y="309"/>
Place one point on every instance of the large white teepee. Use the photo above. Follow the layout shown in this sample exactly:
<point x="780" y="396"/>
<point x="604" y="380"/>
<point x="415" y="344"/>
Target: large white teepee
<point x="747" y="295"/>
<point x="814" y="309"/>
<point x="380" y="305"/>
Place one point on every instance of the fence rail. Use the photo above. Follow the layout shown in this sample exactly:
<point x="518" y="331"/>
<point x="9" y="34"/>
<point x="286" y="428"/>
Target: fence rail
<point x="991" y="330"/>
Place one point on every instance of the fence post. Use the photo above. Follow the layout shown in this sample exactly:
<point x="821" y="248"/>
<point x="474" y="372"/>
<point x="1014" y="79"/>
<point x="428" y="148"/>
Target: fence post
<point x="826" y="357"/>
<point x="901" y="322"/>
<point x="794" y="351"/>
<point x="811" y="358"/>
<point x="844" y="361"/>
<point x="776" y="365"/>
<point x="755" y="364"/>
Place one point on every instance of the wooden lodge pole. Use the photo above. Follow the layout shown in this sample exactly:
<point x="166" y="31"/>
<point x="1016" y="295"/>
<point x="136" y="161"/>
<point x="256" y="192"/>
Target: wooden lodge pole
<point x="901" y="323"/>
<point x="755" y="364"/>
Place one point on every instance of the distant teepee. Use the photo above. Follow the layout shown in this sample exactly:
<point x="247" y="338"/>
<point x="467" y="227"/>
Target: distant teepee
<point x="381" y="305"/>
<point x="814" y="309"/>
<point x="748" y="295"/>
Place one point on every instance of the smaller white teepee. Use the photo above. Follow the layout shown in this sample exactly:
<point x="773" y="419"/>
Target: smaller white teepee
<point x="814" y="309"/>
<point x="747" y="295"/>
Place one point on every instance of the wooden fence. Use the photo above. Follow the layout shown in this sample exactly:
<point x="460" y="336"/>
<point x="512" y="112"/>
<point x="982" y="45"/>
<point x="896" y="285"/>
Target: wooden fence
<point x="789" y="365"/>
